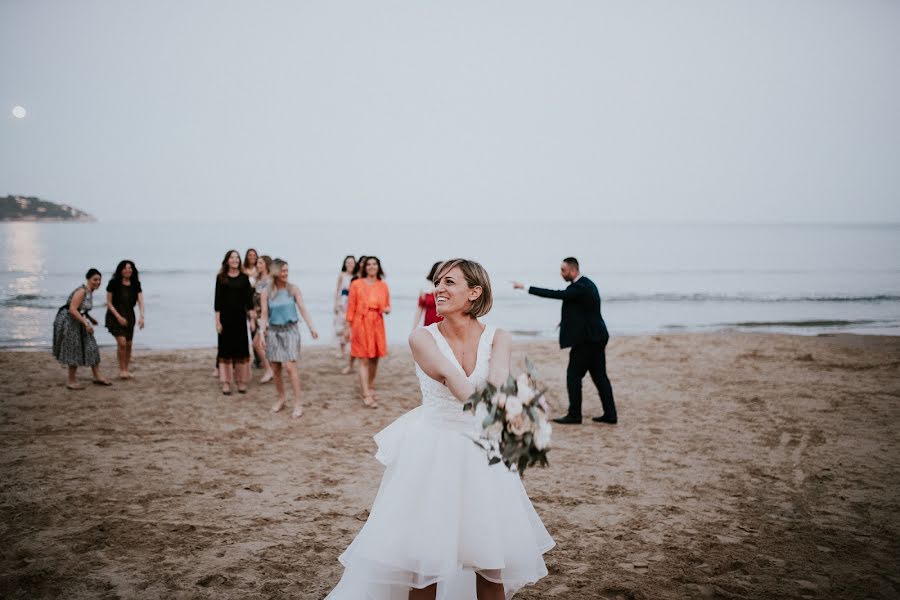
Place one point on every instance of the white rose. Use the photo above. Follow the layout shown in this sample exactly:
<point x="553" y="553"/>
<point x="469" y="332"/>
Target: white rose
<point x="494" y="432"/>
<point x="525" y="393"/>
<point x="500" y="399"/>
<point x="542" y="435"/>
<point x="513" y="407"/>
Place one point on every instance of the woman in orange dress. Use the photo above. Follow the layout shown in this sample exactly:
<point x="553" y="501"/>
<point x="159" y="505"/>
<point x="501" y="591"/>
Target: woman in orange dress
<point x="369" y="301"/>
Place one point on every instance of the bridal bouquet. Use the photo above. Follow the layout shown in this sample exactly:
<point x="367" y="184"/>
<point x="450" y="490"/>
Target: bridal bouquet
<point x="511" y="422"/>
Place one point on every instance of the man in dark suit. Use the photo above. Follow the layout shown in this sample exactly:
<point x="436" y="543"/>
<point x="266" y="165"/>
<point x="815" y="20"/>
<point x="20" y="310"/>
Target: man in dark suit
<point x="582" y="329"/>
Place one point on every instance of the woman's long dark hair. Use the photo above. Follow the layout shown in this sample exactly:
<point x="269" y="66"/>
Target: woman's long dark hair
<point x="223" y="270"/>
<point x="379" y="275"/>
<point x="246" y="264"/>
<point x="357" y="270"/>
<point x="117" y="276"/>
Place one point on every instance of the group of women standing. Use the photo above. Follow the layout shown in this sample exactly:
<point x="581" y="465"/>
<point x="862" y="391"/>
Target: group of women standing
<point x="257" y="311"/>
<point x="257" y="294"/>
<point x="74" y="344"/>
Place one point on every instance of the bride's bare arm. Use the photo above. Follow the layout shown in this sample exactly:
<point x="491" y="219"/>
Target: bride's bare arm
<point x="501" y="354"/>
<point x="426" y="354"/>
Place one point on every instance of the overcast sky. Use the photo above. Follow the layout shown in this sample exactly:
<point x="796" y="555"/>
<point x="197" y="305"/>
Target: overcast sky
<point x="690" y="110"/>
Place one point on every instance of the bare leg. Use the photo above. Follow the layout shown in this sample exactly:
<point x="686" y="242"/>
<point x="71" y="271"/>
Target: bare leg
<point x="242" y="374"/>
<point x="120" y="356"/>
<point x="488" y="590"/>
<point x="264" y="362"/>
<point x="423" y="594"/>
<point x="279" y="386"/>
<point x="72" y="382"/>
<point x="226" y="374"/>
<point x="98" y="376"/>
<point x="373" y="369"/>
<point x="345" y="339"/>
<point x="128" y="346"/>
<point x="291" y="369"/>
<point x="364" y="382"/>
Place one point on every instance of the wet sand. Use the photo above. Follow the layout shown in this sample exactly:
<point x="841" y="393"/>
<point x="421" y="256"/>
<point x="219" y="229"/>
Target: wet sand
<point x="743" y="466"/>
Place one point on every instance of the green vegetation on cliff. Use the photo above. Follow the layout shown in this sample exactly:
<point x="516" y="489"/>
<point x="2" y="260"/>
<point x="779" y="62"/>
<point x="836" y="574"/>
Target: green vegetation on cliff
<point x="26" y="208"/>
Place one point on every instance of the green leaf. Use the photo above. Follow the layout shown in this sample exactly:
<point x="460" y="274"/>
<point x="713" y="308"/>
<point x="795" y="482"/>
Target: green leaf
<point x="522" y="465"/>
<point x="489" y="419"/>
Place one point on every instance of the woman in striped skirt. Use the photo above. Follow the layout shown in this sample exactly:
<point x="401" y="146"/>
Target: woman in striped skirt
<point x="281" y="331"/>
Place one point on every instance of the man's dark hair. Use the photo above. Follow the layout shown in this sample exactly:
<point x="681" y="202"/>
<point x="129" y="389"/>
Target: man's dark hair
<point x="572" y="262"/>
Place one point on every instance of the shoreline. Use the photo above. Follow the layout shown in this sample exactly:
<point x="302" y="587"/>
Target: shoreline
<point x="521" y="340"/>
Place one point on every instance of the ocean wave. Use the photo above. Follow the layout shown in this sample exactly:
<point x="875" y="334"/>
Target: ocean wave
<point x="814" y="323"/>
<point x="707" y="297"/>
<point x="32" y="301"/>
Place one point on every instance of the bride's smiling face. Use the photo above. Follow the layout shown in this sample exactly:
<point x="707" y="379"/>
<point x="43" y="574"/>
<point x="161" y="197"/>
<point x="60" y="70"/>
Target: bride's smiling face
<point x="452" y="293"/>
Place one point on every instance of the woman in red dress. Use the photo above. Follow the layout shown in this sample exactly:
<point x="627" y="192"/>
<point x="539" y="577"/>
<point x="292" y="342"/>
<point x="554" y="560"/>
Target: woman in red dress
<point x="369" y="301"/>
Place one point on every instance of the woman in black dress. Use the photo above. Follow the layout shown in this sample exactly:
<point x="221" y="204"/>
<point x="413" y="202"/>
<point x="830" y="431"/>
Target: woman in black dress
<point x="122" y="294"/>
<point x="233" y="306"/>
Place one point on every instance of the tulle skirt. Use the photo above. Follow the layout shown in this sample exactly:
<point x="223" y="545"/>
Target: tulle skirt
<point x="442" y="515"/>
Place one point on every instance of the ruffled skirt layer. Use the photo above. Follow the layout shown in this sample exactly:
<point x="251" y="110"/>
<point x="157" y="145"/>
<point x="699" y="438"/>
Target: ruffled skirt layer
<point x="442" y="515"/>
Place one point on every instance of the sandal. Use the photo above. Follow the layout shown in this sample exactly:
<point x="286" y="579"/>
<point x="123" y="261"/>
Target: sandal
<point x="242" y="390"/>
<point x="298" y="412"/>
<point x="226" y="389"/>
<point x="102" y="382"/>
<point x="74" y="386"/>
<point x="278" y="406"/>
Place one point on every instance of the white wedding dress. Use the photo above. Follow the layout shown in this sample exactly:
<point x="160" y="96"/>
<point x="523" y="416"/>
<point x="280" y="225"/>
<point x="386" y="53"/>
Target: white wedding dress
<point x="442" y="514"/>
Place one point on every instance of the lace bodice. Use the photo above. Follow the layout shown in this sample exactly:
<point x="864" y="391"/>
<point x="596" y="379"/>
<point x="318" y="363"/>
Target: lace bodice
<point x="440" y="406"/>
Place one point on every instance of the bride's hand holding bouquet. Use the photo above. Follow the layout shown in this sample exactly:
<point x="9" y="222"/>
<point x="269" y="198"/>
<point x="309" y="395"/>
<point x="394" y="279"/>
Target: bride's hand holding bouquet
<point x="511" y="421"/>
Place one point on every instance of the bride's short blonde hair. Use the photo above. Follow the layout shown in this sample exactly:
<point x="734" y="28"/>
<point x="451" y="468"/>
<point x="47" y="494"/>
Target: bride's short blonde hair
<point x="475" y="276"/>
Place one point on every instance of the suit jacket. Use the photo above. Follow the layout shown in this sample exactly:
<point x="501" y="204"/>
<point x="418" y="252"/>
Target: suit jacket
<point x="581" y="318"/>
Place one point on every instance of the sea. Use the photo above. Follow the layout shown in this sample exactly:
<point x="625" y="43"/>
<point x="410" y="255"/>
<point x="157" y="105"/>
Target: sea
<point x="806" y="279"/>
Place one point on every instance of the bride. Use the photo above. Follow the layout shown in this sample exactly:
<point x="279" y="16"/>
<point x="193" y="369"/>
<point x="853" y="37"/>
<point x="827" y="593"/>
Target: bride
<point x="444" y="524"/>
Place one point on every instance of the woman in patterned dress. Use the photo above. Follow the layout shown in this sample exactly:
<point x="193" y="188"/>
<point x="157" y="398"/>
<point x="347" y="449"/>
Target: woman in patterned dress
<point x="370" y="300"/>
<point x="263" y="266"/>
<point x="281" y="331"/>
<point x="73" y="332"/>
<point x="341" y="294"/>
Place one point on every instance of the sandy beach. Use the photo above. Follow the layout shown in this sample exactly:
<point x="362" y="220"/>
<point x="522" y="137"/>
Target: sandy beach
<point x="743" y="466"/>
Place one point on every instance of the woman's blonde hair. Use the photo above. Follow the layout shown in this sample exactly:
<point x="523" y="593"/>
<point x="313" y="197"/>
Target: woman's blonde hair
<point x="475" y="276"/>
<point x="275" y="271"/>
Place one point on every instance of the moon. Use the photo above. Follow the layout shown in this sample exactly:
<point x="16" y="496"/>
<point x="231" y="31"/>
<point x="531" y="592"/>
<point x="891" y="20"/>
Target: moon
<point x="19" y="112"/>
